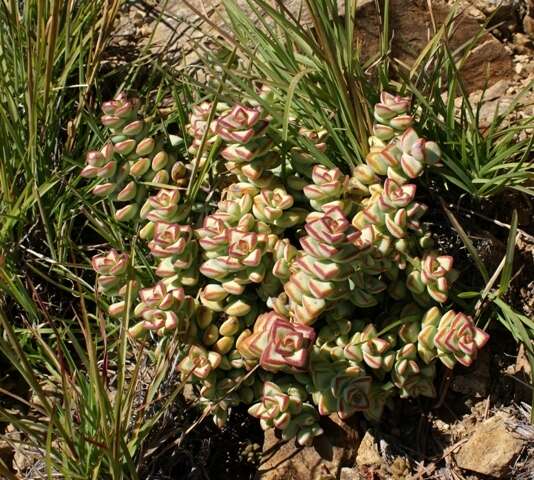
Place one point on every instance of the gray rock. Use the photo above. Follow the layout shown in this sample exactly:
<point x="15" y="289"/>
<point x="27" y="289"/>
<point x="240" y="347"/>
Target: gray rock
<point x="368" y="454"/>
<point x="491" y="448"/>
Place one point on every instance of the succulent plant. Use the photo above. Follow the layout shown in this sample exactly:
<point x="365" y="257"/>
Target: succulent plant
<point x="452" y="337"/>
<point x="277" y="343"/>
<point x="198" y="125"/>
<point x="239" y="260"/>
<point x="391" y="117"/>
<point x="284" y="254"/>
<point x="409" y="377"/>
<point x="327" y="189"/>
<point x="248" y="152"/>
<point x="273" y="207"/>
<point x="130" y="160"/>
<point x="433" y="276"/>
<point x="164" y="206"/>
<point x="390" y="211"/>
<point x="403" y="160"/>
<point x="367" y="347"/>
<point x="285" y="409"/>
<point x="303" y="159"/>
<point x="199" y="362"/>
<point x="163" y="310"/>
<point x="112" y="269"/>
<point x="339" y="388"/>
<point x="176" y="250"/>
<point x="296" y="289"/>
<point x="327" y="269"/>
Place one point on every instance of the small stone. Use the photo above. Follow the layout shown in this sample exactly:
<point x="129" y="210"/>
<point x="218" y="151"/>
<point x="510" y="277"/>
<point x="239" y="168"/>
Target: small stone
<point x="368" y="452"/>
<point x="441" y="426"/>
<point x="400" y="468"/>
<point x="321" y="461"/>
<point x="523" y="44"/>
<point x="137" y="17"/>
<point x="348" y="474"/>
<point x="528" y="26"/>
<point x="145" y="30"/>
<point x="491" y="448"/>
<point x="497" y="90"/>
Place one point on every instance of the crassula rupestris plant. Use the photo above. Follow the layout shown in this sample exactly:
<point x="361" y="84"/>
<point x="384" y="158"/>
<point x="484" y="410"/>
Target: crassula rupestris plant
<point x="299" y="290"/>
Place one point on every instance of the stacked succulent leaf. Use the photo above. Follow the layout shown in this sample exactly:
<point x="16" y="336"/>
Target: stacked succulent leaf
<point x="305" y="291"/>
<point x="130" y="162"/>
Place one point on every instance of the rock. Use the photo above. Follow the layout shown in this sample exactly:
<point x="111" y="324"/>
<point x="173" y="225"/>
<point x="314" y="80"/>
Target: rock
<point x="499" y="12"/>
<point x="368" y="454"/>
<point x="491" y="448"/>
<point x="410" y="23"/>
<point x="523" y="43"/>
<point x="528" y="26"/>
<point x="323" y="460"/>
<point x="349" y="474"/>
<point x="489" y="7"/>
<point x="497" y="100"/>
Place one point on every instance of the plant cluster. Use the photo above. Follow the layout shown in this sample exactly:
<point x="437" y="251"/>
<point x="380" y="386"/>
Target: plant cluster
<point x="304" y="291"/>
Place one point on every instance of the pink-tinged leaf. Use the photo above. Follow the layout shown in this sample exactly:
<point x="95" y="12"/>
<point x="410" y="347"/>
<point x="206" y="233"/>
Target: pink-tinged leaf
<point x="321" y="289"/>
<point x="442" y="284"/>
<point x="436" y="294"/>
<point x="411" y="166"/>
<point x="446" y="262"/>
<point x="481" y="337"/>
<point x="393" y="227"/>
<point x="302" y="315"/>
<point x="374" y="361"/>
<point x="253" y="259"/>
<point x="415" y="283"/>
<point x="317" y="249"/>
<point x="255" y="410"/>
<point x="314" y="306"/>
<point x="327" y="271"/>
<point x="377" y="163"/>
<point x="213" y="269"/>
<point x="103" y="189"/>
<point x="384" y="111"/>
<point x="282" y="421"/>
<point x="353" y="352"/>
<point x="293" y="291"/>
<point x="372" y="214"/>
<point x="407" y="139"/>
<point x="401" y="122"/>
<point x="313" y="192"/>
